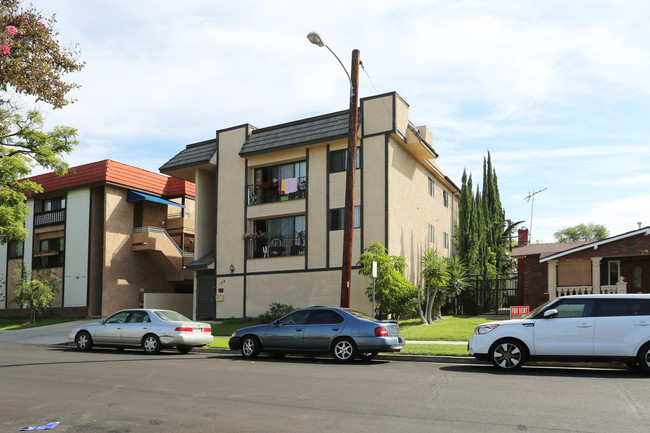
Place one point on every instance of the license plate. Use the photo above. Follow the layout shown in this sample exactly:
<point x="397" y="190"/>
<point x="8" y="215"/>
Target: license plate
<point x="198" y="330"/>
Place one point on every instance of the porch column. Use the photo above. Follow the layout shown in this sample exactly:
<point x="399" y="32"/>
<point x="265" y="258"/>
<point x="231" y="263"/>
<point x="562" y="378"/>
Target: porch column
<point x="552" y="279"/>
<point x="595" y="274"/>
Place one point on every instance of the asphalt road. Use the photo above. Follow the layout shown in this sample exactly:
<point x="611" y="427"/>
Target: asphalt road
<point x="121" y="392"/>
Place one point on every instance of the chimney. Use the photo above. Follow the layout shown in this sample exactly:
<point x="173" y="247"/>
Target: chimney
<point x="523" y="237"/>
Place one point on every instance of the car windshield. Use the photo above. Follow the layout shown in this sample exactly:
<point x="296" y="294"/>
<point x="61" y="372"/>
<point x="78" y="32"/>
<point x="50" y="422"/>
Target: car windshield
<point x="171" y="316"/>
<point x="539" y="309"/>
<point x="361" y="315"/>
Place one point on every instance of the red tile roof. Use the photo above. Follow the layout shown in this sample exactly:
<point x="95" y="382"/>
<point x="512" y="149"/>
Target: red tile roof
<point x="108" y="171"/>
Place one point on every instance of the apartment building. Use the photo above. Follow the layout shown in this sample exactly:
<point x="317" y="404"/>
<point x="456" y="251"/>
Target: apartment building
<point x="117" y="237"/>
<point x="269" y="207"/>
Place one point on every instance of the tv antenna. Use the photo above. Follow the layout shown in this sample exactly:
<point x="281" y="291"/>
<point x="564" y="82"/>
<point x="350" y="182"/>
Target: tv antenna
<point x="531" y="198"/>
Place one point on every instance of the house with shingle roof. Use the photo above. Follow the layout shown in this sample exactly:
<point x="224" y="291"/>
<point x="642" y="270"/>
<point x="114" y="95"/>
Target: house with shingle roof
<point x="618" y="264"/>
<point x="269" y="207"/>
<point x="117" y="236"/>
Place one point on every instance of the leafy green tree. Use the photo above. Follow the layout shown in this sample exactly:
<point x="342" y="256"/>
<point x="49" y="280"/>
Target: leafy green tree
<point x="395" y="295"/>
<point x="35" y="295"/>
<point x="582" y="232"/>
<point x="31" y="63"/>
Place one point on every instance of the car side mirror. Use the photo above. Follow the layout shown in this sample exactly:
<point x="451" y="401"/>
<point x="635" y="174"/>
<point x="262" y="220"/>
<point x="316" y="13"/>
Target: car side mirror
<point x="276" y="323"/>
<point x="103" y="321"/>
<point x="550" y="313"/>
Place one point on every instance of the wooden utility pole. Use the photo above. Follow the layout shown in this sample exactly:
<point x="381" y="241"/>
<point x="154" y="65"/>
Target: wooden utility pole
<point x="348" y="222"/>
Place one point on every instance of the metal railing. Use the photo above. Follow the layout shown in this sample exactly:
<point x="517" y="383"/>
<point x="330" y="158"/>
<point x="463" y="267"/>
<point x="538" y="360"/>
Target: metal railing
<point x="49" y="218"/>
<point x="151" y="229"/>
<point x="270" y="192"/>
<point x="276" y="246"/>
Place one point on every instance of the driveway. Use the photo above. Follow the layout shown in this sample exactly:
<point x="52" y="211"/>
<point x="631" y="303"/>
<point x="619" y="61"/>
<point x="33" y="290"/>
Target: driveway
<point x="51" y="334"/>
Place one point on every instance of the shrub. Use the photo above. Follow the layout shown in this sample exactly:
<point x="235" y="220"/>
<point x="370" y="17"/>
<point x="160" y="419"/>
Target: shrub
<point x="275" y="311"/>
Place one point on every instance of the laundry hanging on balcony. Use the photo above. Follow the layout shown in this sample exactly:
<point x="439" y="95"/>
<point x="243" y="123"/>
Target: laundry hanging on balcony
<point x="287" y="186"/>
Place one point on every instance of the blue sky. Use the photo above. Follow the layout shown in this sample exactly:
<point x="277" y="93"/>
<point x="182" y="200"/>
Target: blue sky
<point x="557" y="91"/>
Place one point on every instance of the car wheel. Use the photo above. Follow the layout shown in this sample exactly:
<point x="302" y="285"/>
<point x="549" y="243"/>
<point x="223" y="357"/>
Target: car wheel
<point x="184" y="349"/>
<point x="367" y="356"/>
<point x="83" y="341"/>
<point x="643" y="358"/>
<point x="344" y="350"/>
<point x="250" y="347"/>
<point x="151" y="344"/>
<point x="508" y="355"/>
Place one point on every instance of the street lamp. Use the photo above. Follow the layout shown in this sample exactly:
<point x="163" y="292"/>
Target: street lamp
<point x="348" y="219"/>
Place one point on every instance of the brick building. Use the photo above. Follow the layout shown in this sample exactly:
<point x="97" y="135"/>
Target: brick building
<point x="618" y="264"/>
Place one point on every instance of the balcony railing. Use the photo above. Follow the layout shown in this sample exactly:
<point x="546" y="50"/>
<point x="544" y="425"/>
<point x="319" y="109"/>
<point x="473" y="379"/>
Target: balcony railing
<point x="50" y="218"/>
<point x="276" y="246"/>
<point x="278" y="190"/>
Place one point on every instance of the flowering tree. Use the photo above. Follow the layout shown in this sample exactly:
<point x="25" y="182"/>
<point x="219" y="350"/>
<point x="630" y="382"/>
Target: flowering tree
<point x="31" y="63"/>
<point x="31" y="60"/>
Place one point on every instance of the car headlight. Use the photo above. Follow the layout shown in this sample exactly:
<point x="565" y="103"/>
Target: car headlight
<point x="234" y="334"/>
<point x="484" y="329"/>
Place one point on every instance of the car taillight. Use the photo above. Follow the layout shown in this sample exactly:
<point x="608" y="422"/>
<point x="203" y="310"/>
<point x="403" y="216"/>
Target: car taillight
<point x="183" y="329"/>
<point x="207" y="330"/>
<point x="381" y="332"/>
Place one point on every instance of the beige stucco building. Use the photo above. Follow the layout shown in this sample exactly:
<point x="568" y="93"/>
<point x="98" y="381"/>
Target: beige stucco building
<point x="269" y="207"/>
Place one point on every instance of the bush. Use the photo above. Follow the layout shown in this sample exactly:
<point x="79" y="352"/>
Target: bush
<point x="275" y="311"/>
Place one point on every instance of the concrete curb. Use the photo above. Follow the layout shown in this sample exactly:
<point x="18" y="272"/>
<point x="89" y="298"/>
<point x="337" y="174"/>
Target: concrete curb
<point x="458" y="360"/>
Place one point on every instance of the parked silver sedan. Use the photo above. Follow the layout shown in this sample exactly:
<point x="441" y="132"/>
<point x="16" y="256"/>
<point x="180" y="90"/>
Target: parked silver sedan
<point x="342" y="332"/>
<point x="150" y="329"/>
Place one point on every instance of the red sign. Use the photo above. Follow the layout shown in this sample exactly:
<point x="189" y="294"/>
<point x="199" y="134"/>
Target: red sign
<point x="519" y="312"/>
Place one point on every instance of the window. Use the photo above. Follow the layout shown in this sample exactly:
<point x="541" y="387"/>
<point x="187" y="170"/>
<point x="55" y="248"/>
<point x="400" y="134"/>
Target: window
<point x="614" y="271"/>
<point x="637" y="274"/>
<point x="432" y="233"/>
<point x="339" y="158"/>
<point x="445" y="198"/>
<point x="279" y="172"/>
<point x="623" y="307"/>
<point x="15" y="249"/>
<point x="432" y="188"/>
<point x="324" y="317"/>
<point x="575" y="308"/>
<point x="446" y="240"/>
<point x="53" y="204"/>
<point x="296" y="318"/>
<point x="54" y="244"/>
<point x="285" y="236"/>
<point x="337" y="218"/>
<point x="50" y="254"/>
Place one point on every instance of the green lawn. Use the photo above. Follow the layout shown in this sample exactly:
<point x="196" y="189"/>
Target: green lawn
<point x="20" y="323"/>
<point x="449" y="328"/>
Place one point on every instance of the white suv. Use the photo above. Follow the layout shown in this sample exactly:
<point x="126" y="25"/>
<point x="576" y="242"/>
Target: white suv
<point x="584" y="327"/>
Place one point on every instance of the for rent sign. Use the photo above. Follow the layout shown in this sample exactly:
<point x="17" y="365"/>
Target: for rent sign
<point x="519" y="312"/>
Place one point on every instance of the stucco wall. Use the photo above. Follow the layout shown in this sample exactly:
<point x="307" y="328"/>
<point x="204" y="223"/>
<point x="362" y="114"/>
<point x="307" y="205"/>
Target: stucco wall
<point x="411" y="210"/>
<point x="127" y="274"/>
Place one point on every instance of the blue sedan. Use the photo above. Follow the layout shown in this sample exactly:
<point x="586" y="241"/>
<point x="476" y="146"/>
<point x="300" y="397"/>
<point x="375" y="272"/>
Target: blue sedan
<point x="342" y="332"/>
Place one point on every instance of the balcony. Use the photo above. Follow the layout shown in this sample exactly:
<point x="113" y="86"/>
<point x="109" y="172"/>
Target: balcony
<point x="277" y="190"/>
<point x="49" y="218"/>
<point x="276" y="246"/>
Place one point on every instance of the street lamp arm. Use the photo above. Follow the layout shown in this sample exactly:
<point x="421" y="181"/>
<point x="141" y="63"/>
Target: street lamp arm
<point x="342" y="65"/>
<point x="315" y="39"/>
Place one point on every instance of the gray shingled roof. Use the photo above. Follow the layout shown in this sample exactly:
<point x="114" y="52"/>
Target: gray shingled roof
<point x="193" y="154"/>
<point x="205" y="262"/>
<point x="299" y="133"/>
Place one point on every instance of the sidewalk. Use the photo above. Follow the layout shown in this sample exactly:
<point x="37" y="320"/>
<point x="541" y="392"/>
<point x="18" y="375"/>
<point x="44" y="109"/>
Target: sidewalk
<point x="43" y="335"/>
